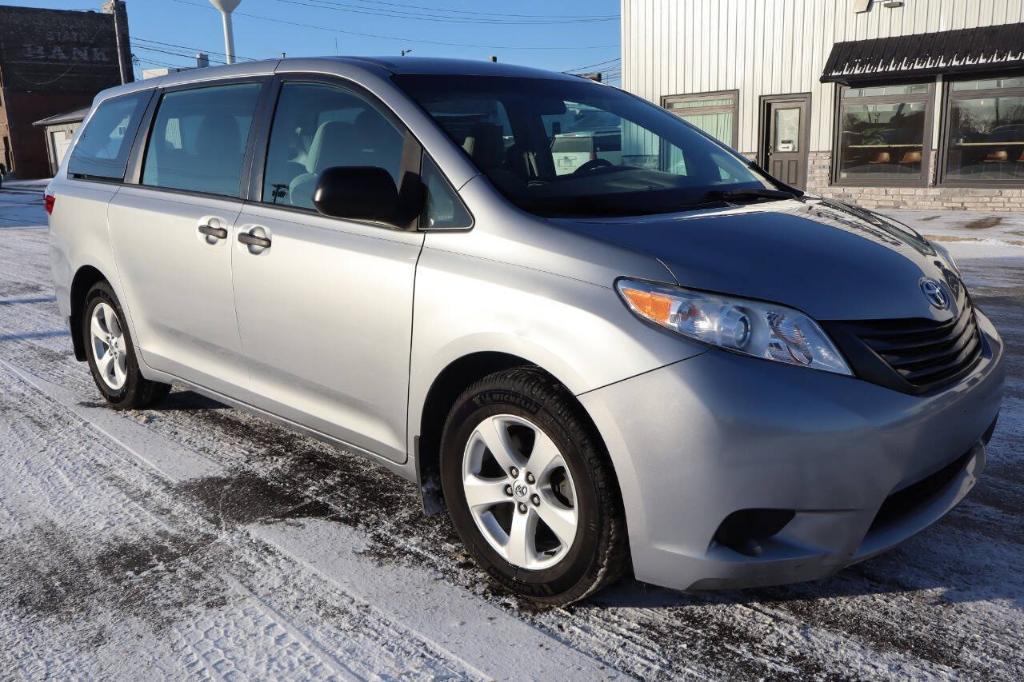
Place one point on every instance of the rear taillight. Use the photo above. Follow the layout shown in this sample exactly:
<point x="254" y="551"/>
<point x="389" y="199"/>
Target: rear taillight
<point x="48" y="201"/>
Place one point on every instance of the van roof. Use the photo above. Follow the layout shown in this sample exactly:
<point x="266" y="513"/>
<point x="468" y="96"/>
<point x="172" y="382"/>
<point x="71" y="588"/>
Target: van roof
<point x="450" y="67"/>
<point x="382" y="67"/>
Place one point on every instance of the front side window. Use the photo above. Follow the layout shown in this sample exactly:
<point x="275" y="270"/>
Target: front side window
<point x="985" y="141"/>
<point x="103" y="147"/>
<point x="882" y="133"/>
<point x="443" y="210"/>
<point x="199" y="138"/>
<point x="714" y="113"/>
<point x="316" y="127"/>
<point x="568" y="147"/>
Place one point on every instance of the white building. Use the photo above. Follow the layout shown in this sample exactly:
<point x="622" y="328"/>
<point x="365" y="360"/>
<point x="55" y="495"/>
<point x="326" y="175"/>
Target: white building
<point x="913" y="103"/>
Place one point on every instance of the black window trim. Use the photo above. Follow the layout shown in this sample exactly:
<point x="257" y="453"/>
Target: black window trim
<point x="412" y="150"/>
<point x="138" y="155"/>
<point x="923" y="178"/>
<point x="421" y="219"/>
<point x="128" y="167"/>
<point x="944" y="132"/>
<point x="714" y="108"/>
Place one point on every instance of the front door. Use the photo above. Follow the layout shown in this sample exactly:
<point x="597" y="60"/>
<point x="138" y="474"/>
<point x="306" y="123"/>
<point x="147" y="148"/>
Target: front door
<point x="784" y="137"/>
<point x="325" y="305"/>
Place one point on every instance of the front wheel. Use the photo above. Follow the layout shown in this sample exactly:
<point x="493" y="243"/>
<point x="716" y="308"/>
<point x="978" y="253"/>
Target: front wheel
<point x="110" y="353"/>
<point x="530" y="490"/>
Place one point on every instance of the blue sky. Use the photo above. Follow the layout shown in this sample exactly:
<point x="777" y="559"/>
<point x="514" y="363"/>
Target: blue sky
<point x="582" y="32"/>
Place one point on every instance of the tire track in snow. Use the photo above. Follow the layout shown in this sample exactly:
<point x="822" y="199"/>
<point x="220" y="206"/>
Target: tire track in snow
<point x="70" y="499"/>
<point x="426" y="643"/>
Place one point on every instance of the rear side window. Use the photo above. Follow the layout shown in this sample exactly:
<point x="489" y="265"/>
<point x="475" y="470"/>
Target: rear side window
<point x="199" y="138"/>
<point x="103" y="147"/>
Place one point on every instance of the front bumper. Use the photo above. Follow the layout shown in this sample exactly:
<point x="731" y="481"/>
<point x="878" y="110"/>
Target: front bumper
<point x="698" y="440"/>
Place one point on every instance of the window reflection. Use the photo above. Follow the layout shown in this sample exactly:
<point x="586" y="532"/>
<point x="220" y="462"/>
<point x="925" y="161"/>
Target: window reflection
<point x="714" y="113"/>
<point x="882" y="131"/>
<point x="986" y="130"/>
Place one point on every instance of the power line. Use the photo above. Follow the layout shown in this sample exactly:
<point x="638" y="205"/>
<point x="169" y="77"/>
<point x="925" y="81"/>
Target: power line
<point x="175" y="54"/>
<point x="479" y="13"/>
<point x="437" y="17"/>
<point x="188" y="47"/>
<point x="152" y="62"/>
<point x="591" y="66"/>
<point x="399" y="38"/>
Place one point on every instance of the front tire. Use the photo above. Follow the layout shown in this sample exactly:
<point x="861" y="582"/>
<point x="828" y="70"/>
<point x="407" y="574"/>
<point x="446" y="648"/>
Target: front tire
<point x="111" y="354"/>
<point x="530" y="489"/>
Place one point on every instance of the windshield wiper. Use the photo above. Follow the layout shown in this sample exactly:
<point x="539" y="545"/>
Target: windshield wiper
<point x="750" y="194"/>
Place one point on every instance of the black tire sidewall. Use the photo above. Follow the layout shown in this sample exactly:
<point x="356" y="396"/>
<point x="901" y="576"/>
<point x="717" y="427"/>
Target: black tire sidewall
<point x="574" y="567"/>
<point x="102" y="293"/>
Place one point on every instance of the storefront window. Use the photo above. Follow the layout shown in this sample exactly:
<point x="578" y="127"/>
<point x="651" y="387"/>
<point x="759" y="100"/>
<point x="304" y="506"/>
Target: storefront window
<point x="882" y="134"/>
<point x="985" y="140"/>
<point x="714" y="113"/>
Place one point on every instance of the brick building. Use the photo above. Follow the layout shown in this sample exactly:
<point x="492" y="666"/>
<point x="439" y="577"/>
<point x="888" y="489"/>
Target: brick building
<point x="52" y="62"/>
<point x="894" y="104"/>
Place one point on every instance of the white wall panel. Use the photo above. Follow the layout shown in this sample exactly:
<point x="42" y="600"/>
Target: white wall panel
<point x="769" y="47"/>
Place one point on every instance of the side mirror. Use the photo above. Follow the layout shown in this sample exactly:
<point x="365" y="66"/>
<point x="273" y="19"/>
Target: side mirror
<point x="358" y="193"/>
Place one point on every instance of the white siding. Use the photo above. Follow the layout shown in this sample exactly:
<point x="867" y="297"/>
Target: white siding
<point x="769" y="47"/>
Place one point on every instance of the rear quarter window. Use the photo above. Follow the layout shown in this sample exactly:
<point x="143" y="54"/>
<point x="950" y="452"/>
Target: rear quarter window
<point x="103" y="147"/>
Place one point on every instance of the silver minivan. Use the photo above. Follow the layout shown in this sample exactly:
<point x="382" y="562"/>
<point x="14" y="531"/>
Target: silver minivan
<point x="658" y="360"/>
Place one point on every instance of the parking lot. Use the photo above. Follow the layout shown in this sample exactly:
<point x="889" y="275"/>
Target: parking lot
<point x="197" y="540"/>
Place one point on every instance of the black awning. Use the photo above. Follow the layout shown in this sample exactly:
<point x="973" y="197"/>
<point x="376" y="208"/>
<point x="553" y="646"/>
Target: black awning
<point x="990" y="49"/>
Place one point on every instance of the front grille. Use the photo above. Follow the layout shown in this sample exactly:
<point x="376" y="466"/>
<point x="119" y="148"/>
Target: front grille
<point x="926" y="353"/>
<point x="911" y="355"/>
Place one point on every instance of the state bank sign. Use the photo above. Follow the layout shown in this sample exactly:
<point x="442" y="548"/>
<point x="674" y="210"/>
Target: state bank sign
<point x="66" y="53"/>
<point x="52" y="50"/>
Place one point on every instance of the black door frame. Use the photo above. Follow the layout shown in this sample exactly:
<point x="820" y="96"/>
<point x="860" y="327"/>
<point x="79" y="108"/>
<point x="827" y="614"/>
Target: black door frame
<point x="764" y="129"/>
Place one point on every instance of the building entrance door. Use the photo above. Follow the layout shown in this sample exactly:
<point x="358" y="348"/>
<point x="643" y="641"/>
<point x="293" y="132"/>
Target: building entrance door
<point x="785" y="124"/>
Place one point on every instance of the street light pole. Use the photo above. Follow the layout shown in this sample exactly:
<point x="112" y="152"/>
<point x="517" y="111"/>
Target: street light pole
<point x="226" y="7"/>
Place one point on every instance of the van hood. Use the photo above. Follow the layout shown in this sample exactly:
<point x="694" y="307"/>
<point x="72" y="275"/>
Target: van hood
<point x="830" y="260"/>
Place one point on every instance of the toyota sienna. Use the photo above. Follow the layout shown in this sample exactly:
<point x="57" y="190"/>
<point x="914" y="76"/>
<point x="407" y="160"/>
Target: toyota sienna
<point x="650" y="357"/>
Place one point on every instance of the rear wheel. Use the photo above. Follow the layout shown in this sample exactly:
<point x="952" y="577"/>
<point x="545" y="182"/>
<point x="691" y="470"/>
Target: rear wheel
<point x="111" y="355"/>
<point x="529" y="488"/>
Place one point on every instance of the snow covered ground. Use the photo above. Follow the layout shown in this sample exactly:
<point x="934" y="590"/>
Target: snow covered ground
<point x="197" y="540"/>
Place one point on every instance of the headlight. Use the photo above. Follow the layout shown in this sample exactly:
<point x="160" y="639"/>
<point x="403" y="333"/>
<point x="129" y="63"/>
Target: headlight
<point x="945" y="255"/>
<point x="763" y="330"/>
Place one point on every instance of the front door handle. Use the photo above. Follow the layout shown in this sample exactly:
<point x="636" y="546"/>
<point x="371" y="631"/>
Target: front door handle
<point x="215" y="232"/>
<point x="254" y="240"/>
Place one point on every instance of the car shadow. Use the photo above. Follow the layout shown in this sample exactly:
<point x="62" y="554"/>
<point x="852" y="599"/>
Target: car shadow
<point x="187" y="401"/>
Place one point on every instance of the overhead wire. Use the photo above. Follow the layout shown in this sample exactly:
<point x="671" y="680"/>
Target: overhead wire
<point x="423" y="41"/>
<point x="434" y="16"/>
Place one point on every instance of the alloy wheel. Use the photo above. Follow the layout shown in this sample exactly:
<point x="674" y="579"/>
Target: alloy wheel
<point x="109" y="346"/>
<point x="520" y="492"/>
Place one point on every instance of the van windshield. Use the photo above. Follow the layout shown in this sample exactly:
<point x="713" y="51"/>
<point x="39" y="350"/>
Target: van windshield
<point x="565" y="148"/>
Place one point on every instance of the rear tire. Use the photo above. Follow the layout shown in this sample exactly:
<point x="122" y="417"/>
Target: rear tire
<point x="111" y="354"/>
<point x="560" y="534"/>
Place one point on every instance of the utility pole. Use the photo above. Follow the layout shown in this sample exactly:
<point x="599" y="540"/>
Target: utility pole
<point x="226" y="7"/>
<point x="124" y="62"/>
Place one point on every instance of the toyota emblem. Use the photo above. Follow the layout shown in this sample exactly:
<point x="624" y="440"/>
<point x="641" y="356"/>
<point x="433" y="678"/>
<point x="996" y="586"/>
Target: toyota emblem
<point x="935" y="294"/>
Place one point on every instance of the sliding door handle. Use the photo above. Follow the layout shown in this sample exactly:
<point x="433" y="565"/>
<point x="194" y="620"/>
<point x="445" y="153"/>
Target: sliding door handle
<point x="256" y="240"/>
<point x="215" y="232"/>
